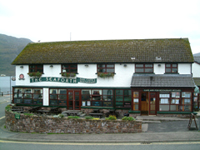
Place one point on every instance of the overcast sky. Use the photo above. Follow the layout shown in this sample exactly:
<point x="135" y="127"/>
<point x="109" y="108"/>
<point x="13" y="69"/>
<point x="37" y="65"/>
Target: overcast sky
<point x="54" y="20"/>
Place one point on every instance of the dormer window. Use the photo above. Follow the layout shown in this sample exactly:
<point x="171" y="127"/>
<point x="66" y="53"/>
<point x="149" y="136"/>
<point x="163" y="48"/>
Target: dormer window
<point x="144" y="68"/>
<point x="35" y="68"/>
<point x="69" y="68"/>
<point x="171" y="68"/>
<point x="105" y="68"/>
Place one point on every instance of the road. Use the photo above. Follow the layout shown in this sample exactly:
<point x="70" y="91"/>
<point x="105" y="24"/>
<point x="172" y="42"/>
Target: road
<point x="9" y="145"/>
<point x="4" y="101"/>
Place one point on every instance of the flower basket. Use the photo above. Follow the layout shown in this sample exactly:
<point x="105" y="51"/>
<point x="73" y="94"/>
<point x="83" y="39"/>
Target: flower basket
<point x="67" y="74"/>
<point x="35" y="74"/>
<point x="105" y="75"/>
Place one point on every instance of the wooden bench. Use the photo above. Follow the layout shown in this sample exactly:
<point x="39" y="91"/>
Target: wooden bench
<point x="97" y="114"/>
<point x="54" y="110"/>
<point x="34" y="109"/>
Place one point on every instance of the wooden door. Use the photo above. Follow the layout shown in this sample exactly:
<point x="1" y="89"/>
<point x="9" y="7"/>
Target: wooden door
<point x="74" y="100"/>
<point x="144" y="103"/>
<point x="152" y="103"/>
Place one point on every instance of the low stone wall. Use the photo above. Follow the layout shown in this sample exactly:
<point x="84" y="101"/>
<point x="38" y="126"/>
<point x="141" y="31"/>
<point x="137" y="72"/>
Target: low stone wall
<point x="48" y="124"/>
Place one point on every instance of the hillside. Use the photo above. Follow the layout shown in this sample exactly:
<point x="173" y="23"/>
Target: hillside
<point x="10" y="47"/>
<point x="197" y="54"/>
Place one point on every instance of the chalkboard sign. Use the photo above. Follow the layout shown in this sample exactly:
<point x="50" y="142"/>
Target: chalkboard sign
<point x="108" y="103"/>
<point x="62" y="102"/>
<point x="96" y="103"/>
<point x="53" y="102"/>
<point x="37" y="101"/>
<point x="127" y="104"/>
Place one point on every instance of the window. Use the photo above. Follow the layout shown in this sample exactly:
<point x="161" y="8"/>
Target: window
<point x="106" y="68"/>
<point x="144" y="68"/>
<point x="69" y="68"/>
<point x="135" y="100"/>
<point x="97" y="97"/>
<point x="58" y="97"/>
<point x="175" y="101"/>
<point x="35" y="68"/>
<point x="28" y="96"/>
<point x="171" y="68"/>
<point x="123" y="98"/>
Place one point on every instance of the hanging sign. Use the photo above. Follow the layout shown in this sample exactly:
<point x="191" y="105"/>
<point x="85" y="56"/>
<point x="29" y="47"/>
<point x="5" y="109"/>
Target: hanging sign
<point x="63" y="80"/>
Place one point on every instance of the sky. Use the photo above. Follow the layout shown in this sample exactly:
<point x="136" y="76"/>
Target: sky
<point x="75" y="20"/>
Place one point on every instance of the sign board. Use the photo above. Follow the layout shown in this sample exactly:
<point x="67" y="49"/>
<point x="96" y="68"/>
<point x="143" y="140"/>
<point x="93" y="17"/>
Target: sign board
<point x="127" y="104"/>
<point x="108" y="104"/>
<point x="17" y="116"/>
<point x="63" y="80"/>
<point x="162" y="90"/>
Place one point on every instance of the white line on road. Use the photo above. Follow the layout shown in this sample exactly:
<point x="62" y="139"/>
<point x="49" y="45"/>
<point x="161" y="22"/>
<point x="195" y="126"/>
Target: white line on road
<point x="42" y="143"/>
<point x="2" y="117"/>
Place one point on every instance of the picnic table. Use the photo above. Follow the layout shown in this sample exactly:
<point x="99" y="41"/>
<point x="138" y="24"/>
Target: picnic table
<point x="72" y="112"/>
<point x="18" y="109"/>
<point x="55" y="110"/>
<point x="42" y="111"/>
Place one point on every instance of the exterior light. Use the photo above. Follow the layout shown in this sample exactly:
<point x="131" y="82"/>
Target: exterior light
<point x="159" y="65"/>
<point x="125" y="65"/>
<point x="21" y="66"/>
<point x="86" y="65"/>
<point x="51" y="66"/>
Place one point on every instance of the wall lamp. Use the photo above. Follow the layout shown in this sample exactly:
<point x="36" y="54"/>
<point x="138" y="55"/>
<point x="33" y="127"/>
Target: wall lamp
<point x="21" y="66"/>
<point x="159" y="65"/>
<point x="51" y="66"/>
<point x="125" y="65"/>
<point x="86" y="65"/>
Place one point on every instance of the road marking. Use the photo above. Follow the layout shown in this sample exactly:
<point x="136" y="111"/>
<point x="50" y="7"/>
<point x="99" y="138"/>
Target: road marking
<point x="43" y="143"/>
<point x="2" y="117"/>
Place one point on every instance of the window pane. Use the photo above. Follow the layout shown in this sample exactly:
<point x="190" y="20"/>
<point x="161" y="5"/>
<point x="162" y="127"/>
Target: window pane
<point x="139" y="65"/>
<point x="148" y="65"/>
<point x="186" y="94"/>
<point x="176" y="94"/>
<point x="173" y="107"/>
<point x="101" y="70"/>
<point x="110" y="70"/>
<point x="186" y="101"/>
<point x="174" y="70"/>
<point x="175" y="101"/>
<point x="168" y="70"/>
<point x="174" y="65"/>
<point x="101" y="65"/>
<point x="119" y="98"/>
<point x="168" y="65"/>
<point x="148" y="70"/>
<point x="119" y="92"/>
<point x="139" y="70"/>
<point x="164" y="107"/>
<point x="110" y="65"/>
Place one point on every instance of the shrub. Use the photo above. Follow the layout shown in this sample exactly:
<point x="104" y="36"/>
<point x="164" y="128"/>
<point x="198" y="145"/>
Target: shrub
<point x="111" y="117"/>
<point x="28" y="114"/>
<point x="89" y="117"/>
<point x="61" y="116"/>
<point x="95" y="118"/>
<point x="8" y="108"/>
<point x="73" y="117"/>
<point x="128" y="118"/>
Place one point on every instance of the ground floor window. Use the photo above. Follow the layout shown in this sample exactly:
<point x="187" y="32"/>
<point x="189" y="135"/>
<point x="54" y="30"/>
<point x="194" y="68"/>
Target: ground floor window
<point x="97" y="97"/>
<point x="123" y="98"/>
<point x="58" y="97"/>
<point x="32" y="96"/>
<point x="175" y="101"/>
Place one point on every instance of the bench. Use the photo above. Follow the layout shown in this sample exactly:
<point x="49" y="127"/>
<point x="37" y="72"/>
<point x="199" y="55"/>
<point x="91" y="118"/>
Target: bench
<point x="55" y="110"/>
<point x="18" y="109"/>
<point x="34" y="109"/>
<point x="97" y="114"/>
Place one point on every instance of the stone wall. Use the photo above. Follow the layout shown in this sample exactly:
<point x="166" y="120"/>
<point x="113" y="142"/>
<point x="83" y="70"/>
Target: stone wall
<point x="48" y="124"/>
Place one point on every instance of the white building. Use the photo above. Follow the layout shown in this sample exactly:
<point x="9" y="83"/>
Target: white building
<point x="151" y="76"/>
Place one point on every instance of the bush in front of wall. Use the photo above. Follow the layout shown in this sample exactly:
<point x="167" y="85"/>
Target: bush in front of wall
<point x="73" y="117"/>
<point x="105" y="75"/>
<point x="111" y="117"/>
<point x="128" y="118"/>
<point x="66" y="74"/>
<point x="35" y="74"/>
<point x="8" y="108"/>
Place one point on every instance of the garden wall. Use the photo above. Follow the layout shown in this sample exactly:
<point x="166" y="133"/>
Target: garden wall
<point x="48" y="124"/>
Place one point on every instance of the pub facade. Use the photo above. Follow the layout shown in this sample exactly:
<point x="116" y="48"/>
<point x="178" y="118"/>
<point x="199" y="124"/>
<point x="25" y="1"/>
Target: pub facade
<point x="139" y="77"/>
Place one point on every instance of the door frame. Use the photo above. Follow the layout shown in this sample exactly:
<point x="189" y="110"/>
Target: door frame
<point x="156" y="99"/>
<point x="73" y="101"/>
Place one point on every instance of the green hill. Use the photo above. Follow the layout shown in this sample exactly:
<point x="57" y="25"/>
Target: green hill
<point x="10" y="47"/>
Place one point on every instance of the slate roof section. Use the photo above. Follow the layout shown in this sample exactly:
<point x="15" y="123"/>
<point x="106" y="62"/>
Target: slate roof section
<point x="197" y="81"/>
<point x="162" y="81"/>
<point x="107" y="51"/>
<point x="197" y="59"/>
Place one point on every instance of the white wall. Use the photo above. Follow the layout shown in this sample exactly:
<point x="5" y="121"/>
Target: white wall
<point x="196" y="70"/>
<point x="184" y="68"/>
<point x="122" y="78"/>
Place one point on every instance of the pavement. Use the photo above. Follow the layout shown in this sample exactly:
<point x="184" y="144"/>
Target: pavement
<point x="154" y="129"/>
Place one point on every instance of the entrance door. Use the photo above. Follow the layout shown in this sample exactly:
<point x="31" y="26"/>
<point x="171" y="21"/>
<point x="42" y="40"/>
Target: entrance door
<point x="144" y="103"/>
<point x="152" y="104"/>
<point x="74" y="100"/>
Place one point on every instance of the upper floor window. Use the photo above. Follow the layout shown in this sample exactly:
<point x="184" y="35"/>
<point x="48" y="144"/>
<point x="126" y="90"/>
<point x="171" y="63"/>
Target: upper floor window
<point x="171" y="68"/>
<point x="36" y="68"/>
<point x="106" y="68"/>
<point x="69" y="68"/>
<point x="144" y="68"/>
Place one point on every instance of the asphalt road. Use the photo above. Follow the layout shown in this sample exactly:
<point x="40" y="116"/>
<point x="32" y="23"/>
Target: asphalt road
<point x="4" y="101"/>
<point x="9" y="145"/>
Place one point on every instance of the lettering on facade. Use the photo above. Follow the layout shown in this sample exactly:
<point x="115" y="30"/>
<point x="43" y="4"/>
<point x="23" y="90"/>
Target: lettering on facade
<point x="63" y="80"/>
<point x="162" y="90"/>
